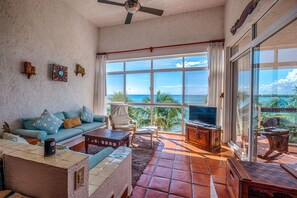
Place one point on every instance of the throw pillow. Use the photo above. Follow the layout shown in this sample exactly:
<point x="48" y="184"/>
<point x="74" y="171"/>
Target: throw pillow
<point x="48" y="122"/>
<point x="72" y="122"/>
<point x="14" y="138"/>
<point x="87" y="115"/>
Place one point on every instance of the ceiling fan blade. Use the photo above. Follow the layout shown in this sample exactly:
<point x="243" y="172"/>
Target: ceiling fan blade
<point x="111" y="2"/>
<point x="128" y="18"/>
<point x="151" y="11"/>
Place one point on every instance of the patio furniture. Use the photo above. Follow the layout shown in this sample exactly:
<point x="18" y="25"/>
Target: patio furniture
<point x="278" y="141"/>
<point x="105" y="137"/>
<point x="150" y="130"/>
<point x="120" y="119"/>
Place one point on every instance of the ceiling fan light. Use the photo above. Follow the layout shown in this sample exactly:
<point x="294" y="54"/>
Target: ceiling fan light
<point x="132" y="7"/>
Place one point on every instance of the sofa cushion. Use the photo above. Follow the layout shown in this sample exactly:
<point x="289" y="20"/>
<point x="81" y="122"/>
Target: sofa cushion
<point x="60" y="115"/>
<point x="30" y="133"/>
<point x="97" y="158"/>
<point x="72" y="122"/>
<point x="90" y="126"/>
<point x="72" y="114"/>
<point x="64" y="134"/>
<point x="48" y="122"/>
<point x="87" y="115"/>
<point x="99" y="118"/>
<point x="28" y="123"/>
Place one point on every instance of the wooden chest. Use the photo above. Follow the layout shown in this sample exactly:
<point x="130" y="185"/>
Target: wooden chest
<point x="207" y="138"/>
<point x="259" y="180"/>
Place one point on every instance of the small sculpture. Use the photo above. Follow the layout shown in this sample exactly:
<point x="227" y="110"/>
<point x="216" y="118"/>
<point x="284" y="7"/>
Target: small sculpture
<point x="29" y="69"/>
<point x="80" y="70"/>
<point x="6" y="128"/>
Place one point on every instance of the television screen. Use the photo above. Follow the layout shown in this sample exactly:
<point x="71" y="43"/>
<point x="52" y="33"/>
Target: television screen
<point x="207" y="115"/>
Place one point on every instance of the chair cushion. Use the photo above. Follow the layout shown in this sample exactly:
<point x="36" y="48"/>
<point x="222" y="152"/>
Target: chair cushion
<point x="120" y="119"/>
<point x="64" y="134"/>
<point x="87" y="115"/>
<point x="90" y="126"/>
<point x="97" y="158"/>
<point x="72" y="114"/>
<point x="48" y="122"/>
<point x="14" y="138"/>
<point x="72" y="122"/>
<point x="124" y="127"/>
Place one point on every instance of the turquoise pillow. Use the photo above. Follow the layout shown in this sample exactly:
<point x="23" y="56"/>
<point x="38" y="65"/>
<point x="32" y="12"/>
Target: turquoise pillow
<point x="59" y="115"/>
<point x="87" y="115"/>
<point x="48" y="122"/>
<point x="14" y="138"/>
<point x="28" y="123"/>
<point x="71" y="114"/>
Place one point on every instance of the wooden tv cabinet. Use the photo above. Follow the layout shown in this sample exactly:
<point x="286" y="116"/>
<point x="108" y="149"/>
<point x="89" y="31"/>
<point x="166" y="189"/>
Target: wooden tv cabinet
<point x="208" y="138"/>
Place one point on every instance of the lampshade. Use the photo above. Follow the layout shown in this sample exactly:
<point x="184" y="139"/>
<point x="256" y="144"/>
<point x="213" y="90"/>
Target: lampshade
<point x="132" y="7"/>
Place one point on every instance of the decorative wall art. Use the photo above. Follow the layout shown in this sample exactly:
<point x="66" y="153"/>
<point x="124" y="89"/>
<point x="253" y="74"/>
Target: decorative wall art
<point x="59" y="73"/>
<point x="29" y="69"/>
<point x="80" y="70"/>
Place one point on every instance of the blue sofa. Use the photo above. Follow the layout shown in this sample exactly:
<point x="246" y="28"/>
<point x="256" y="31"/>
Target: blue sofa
<point x="68" y="137"/>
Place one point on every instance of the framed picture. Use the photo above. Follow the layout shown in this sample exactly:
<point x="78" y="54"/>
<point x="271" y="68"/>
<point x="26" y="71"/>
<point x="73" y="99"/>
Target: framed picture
<point x="59" y="73"/>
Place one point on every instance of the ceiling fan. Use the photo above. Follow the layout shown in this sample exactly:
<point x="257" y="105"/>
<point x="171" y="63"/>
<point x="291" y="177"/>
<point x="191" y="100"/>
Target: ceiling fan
<point x="133" y="6"/>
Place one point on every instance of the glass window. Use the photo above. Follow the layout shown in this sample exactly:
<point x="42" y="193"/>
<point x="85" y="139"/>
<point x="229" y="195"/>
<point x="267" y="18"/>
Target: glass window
<point x="243" y="42"/>
<point x="115" y="67"/>
<point x="268" y="58"/>
<point x="276" y="12"/>
<point x="196" y="87"/>
<point x="138" y="88"/>
<point x="168" y="87"/>
<point x="138" y="65"/>
<point x="168" y="63"/>
<point x="287" y="55"/>
<point x="169" y="119"/>
<point x="196" y="61"/>
<point x="141" y="115"/>
<point x="115" y="88"/>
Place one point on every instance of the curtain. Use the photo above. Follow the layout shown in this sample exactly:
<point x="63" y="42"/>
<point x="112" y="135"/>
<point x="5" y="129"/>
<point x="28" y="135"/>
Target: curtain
<point x="100" y="86"/>
<point x="215" y="80"/>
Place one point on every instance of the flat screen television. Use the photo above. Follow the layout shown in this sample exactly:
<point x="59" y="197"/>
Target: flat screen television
<point x="207" y="115"/>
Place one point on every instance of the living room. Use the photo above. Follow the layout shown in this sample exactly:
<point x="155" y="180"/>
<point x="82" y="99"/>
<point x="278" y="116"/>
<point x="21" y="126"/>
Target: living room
<point x="149" y="98"/>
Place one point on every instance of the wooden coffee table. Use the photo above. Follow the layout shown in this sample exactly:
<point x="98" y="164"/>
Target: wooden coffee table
<point x="105" y="137"/>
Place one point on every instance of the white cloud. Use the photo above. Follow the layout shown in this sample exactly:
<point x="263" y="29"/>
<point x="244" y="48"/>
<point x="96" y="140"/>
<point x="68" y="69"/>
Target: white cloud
<point x="192" y="64"/>
<point x="281" y="86"/>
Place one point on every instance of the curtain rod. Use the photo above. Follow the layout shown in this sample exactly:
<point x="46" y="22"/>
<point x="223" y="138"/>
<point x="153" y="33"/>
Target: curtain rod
<point x="151" y="49"/>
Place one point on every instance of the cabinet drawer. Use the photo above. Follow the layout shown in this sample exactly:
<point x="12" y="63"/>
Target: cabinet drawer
<point x="232" y="182"/>
<point x="199" y="137"/>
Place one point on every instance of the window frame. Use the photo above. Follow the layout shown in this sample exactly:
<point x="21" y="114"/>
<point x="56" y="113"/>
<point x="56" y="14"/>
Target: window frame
<point x="152" y="71"/>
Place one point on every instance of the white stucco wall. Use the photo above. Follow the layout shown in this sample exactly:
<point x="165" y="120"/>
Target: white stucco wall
<point x="190" y="27"/>
<point x="43" y="32"/>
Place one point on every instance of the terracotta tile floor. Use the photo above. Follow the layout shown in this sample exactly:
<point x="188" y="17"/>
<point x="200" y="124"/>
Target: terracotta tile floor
<point x="179" y="169"/>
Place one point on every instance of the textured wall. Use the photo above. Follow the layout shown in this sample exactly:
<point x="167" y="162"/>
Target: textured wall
<point x="43" y="32"/>
<point x="233" y="10"/>
<point x="183" y="28"/>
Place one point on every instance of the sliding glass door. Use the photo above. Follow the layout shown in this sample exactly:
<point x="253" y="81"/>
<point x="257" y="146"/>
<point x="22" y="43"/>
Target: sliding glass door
<point x="275" y="86"/>
<point x="241" y="76"/>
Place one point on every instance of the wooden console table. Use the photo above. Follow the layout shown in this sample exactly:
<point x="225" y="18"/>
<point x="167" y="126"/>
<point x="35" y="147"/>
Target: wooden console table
<point x="208" y="138"/>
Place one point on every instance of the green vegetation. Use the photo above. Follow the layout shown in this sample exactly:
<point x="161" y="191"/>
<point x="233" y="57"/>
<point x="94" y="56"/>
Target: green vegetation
<point x="165" y="117"/>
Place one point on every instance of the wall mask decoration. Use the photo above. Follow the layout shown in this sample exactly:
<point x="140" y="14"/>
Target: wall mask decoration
<point x="80" y="70"/>
<point x="29" y="70"/>
<point x="59" y="73"/>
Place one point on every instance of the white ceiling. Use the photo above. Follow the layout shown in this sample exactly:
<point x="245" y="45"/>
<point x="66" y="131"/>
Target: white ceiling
<point x="103" y="15"/>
